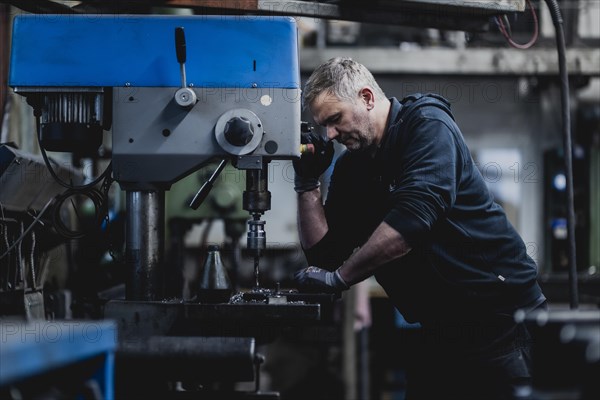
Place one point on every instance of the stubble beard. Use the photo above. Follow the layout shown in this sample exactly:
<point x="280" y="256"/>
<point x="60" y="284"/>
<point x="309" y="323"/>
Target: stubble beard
<point x="364" y="140"/>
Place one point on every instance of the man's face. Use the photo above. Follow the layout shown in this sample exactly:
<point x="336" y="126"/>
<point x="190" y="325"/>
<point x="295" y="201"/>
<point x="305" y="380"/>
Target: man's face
<point x="348" y="122"/>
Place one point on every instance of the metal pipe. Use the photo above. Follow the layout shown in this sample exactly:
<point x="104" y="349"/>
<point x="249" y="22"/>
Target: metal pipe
<point x="568" y="150"/>
<point x="198" y="358"/>
<point x="145" y="244"/>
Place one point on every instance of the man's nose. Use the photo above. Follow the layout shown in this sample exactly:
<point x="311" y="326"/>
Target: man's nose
<point x="332" y="133"/>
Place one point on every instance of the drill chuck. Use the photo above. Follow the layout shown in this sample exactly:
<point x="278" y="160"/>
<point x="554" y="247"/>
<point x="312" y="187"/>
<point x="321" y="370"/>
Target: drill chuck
<point x="257" y="198"/>
<point x="257" y="238"/>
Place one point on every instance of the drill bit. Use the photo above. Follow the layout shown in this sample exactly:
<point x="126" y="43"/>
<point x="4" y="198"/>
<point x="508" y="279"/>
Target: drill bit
<point x="256" y="270"/>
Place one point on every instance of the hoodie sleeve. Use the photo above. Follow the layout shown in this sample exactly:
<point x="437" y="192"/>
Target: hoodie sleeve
<point x="425" y="184"/>
<point x="349" y="219"/>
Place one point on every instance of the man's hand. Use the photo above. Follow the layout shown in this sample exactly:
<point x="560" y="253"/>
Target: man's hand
<point x="311" y="166"/>
<point x="315" y="279"/>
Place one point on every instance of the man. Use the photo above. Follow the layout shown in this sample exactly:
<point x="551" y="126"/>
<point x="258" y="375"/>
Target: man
<point x="407" y="204"/>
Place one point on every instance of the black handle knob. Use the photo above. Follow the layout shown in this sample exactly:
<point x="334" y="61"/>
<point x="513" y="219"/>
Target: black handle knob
<point x="205" y="189"/>
<point x="180" y="45"/>
<point x="201" y="195"/>
<point x="238" y="131"/>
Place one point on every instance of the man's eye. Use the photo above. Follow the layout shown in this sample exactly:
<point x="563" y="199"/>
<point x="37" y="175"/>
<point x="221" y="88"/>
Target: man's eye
<point x="331" y="120"/>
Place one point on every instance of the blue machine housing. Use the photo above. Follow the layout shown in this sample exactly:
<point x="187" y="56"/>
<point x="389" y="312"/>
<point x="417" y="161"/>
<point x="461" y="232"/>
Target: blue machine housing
<point x="139" y="51"/>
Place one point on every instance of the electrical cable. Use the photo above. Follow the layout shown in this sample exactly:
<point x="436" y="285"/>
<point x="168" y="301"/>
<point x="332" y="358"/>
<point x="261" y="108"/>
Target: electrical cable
<point x="507" y="22"/>
<point x="104" y="174"/>
<point x="5" y="236"/>
<point x="506" y="32"/>
<point x="568" y="152"/>
<point x="20" y="277"/>
<point x="29" y="228"/>
<point x="97" y="198"/>
<point x="32" y="261"/>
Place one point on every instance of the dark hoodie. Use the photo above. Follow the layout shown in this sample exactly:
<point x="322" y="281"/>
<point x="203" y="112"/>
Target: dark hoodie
<point x="466" y="259"/>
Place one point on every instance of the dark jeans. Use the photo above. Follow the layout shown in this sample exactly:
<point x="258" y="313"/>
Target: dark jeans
<point x="487" y="359"/>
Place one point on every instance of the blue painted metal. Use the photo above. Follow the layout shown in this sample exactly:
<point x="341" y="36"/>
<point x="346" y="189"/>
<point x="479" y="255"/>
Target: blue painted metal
<point x="115" y="50"/>
<point x="37" y="347"/>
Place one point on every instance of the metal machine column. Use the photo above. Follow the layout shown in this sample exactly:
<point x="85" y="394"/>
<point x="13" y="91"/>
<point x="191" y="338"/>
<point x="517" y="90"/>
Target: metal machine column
<point x="145" y="244"/>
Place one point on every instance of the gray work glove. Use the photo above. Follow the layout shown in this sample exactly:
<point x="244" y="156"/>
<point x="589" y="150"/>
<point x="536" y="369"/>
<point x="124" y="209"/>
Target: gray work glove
<point x="315" y="279"/>
<point x="311" y="166"/>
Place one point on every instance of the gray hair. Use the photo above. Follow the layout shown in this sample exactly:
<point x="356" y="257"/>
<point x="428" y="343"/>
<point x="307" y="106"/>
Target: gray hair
<point x="342" y="77"/>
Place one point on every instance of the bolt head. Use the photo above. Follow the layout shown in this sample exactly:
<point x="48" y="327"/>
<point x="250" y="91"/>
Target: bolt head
<point x="185" y="97"/>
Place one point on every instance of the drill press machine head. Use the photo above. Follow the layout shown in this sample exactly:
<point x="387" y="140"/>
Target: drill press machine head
<point x="178" y="93"/>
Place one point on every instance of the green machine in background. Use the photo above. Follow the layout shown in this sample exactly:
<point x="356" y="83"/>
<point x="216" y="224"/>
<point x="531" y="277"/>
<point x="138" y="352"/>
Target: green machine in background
<point x="223" y="203"/>
<point x="224" y="200"/>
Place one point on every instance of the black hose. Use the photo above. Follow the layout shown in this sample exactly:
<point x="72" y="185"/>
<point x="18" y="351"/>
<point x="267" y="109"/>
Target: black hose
<point x="99" y="197"/>
<point x="66" y="185"/>
<point x="568" y="152"/>
<point x="99" y="201"/>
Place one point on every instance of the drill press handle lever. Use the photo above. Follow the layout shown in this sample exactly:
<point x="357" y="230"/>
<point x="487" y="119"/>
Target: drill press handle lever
<point x="206" y="188"/>
<point x="180" y="45"/>
<point x="185" y="96"/>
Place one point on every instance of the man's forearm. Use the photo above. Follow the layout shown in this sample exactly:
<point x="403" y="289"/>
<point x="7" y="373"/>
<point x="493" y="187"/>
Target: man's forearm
<point x="312" y="225"/>
<point x="384" y="245"/>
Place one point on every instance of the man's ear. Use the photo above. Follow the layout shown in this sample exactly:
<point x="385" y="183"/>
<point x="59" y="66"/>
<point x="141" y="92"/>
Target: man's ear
<point x="368" y="97"/>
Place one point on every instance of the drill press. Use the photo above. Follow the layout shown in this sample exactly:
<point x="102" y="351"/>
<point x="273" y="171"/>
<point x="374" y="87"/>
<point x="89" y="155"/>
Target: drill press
<point x="178" y="93"/>
<point x="174" y="105"/>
